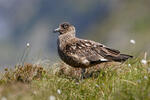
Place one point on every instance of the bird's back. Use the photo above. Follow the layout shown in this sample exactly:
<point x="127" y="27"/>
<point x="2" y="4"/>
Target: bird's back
<point x="85" y="53"/>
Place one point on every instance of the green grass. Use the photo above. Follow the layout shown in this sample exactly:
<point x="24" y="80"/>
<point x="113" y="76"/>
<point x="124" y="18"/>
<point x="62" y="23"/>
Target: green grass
<point x="113" y="83"/>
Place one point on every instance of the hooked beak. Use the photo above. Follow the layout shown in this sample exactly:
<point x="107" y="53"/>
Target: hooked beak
<point x="57" y="30"/>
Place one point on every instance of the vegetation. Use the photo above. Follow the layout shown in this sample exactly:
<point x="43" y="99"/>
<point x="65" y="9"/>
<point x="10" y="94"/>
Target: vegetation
<point x="128" y="81"/>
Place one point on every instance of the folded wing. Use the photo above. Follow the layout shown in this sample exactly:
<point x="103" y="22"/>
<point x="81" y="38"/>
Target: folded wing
<point x="94" y="52"/>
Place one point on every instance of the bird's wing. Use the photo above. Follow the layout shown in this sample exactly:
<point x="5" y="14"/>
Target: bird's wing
<point x="92" y="51"/>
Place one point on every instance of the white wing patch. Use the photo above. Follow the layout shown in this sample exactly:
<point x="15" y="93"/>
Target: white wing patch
<point x="103" y="59"/>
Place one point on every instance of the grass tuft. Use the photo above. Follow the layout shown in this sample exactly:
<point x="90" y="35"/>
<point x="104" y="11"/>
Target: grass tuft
<point x="128" y="81"/>
<point x="24" y="74"/>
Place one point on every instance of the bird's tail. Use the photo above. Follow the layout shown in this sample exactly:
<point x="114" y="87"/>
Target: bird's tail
<point x="122" y="58"/>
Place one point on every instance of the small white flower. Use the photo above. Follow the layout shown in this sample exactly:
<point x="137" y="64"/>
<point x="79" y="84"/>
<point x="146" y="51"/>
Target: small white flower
<point x="145" y="77"/>
<point x="143" y="61"/>
<point x="129" y="65"/>
<point x="97" y="85"/>
<point x="148" y="69"/>
<point x="103" y="84"/>
<point x="58" y="91"/>
<point x="139" y="81"/>
<point x="3" y="98"/>
<point x="132" y="41"/>
<point x="52" y="97"/>
<point x="28" y="44"/>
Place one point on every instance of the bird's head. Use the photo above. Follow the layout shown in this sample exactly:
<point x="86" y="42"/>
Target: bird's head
<point x="65" y="28"/>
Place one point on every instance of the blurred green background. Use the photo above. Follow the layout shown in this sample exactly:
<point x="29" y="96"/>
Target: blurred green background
<point x="111" y="22"/>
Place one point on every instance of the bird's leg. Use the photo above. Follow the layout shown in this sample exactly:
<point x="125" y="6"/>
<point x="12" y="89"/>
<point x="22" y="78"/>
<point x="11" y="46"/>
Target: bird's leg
<point x="83" y="73"/>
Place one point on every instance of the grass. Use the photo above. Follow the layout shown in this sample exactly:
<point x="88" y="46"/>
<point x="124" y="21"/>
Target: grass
<point x="33" y="82"/>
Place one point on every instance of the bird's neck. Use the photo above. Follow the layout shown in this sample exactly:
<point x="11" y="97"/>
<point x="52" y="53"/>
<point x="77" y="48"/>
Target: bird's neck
<point x="65" y="38"/>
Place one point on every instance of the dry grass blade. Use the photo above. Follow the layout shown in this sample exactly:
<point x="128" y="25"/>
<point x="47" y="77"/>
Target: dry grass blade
<point x="25" y="73"/>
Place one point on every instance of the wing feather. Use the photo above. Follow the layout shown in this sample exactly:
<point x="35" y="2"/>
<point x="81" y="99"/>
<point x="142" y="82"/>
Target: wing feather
<point x="92" y="51"/>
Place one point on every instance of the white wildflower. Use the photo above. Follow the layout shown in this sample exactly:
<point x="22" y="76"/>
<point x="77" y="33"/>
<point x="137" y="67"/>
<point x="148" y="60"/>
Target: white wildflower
<point x="139" y="81"/>
<point x="148" y="69"/>
<point x="52" y="97"/>
<point x="3" y="98"/>
<point x="103" y="84"/>
<point x="132" y="41"/>
<point x="143" y="61"/>
<point x="145" y="77"/>
<point x="97" y="85"/>
<point x="58" y="91"/>
<point x="28" y="44"/>
<point x="129" y="65"/>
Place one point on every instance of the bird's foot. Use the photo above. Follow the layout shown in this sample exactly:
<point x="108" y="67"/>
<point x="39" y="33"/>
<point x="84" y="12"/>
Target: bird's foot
<point x="83" y="73"/>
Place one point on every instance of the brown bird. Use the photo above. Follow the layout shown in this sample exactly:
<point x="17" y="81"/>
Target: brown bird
<point x="81" y="53"/>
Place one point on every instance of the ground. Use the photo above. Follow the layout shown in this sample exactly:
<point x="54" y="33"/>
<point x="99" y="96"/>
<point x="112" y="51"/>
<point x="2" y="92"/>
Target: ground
<point x="127" y="81"/>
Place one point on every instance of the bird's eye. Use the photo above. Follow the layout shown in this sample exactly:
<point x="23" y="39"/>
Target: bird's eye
<point x="65" y="26"/>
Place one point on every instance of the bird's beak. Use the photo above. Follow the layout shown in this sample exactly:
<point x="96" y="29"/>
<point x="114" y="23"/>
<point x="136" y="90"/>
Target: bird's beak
<point x="57" y="30"/>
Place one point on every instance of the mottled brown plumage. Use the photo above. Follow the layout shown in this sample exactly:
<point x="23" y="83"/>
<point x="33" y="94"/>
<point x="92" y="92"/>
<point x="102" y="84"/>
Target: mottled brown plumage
<point x="84" y="53"/>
